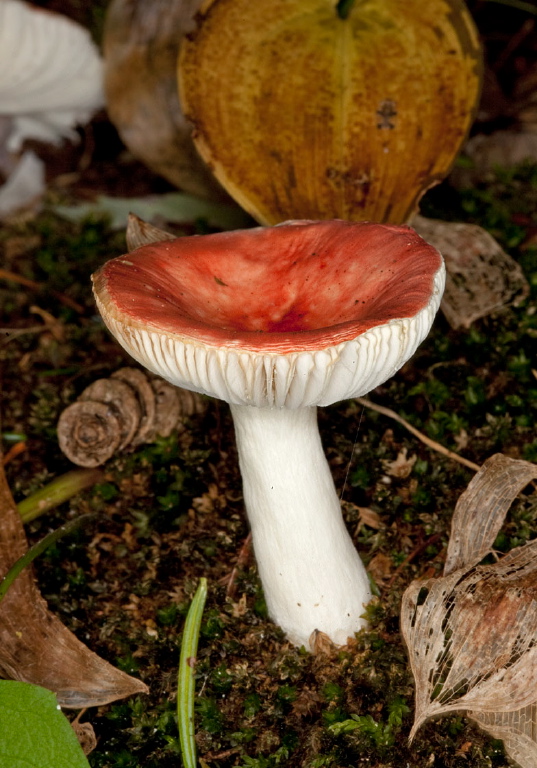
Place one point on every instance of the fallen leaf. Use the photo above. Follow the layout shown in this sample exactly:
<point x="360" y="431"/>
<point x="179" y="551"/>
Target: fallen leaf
<point x="472" y="637"/>
<point x="482" y="507"/>
<point x="516" y="729"/>
<point x="35" y="647"/>
<point x="481" y="277"/>
<point x="380" y="567"/>
<point x="370" y="518"/>
<point x="301" y="114"/>
<point x="85" y="734"/>
<point x="472" y="634"/>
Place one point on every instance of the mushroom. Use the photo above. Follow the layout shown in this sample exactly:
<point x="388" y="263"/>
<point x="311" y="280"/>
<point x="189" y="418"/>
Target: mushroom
<point x="276" y="321"/>
<point x="50" y="81"/>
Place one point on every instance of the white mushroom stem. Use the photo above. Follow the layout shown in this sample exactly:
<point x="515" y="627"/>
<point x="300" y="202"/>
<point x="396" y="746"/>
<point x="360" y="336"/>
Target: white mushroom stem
<point x="311" y="573"/>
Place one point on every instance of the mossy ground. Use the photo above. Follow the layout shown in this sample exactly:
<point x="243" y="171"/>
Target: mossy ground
<point x="172" y="512"/>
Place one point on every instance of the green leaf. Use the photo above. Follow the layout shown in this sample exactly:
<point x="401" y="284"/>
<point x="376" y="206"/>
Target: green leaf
<point x="34" y="733"/>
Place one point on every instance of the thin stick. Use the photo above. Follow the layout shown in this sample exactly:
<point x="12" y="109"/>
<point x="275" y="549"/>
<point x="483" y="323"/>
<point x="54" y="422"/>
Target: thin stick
<point x="424" y="439"/>
<point x="5" y="274"/>
<point x="415" y="552"/>
<point x="14" y="451"/>
<point x="242" y="559"/>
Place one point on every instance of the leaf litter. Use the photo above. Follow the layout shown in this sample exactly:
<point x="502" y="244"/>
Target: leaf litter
<point x="35" y="647"/>
<point x="472" y="634"/>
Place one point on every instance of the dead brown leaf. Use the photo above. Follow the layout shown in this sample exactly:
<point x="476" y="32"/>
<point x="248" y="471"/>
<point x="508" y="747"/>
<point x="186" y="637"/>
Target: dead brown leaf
<point x="35" y="647"/>
<point x="516" y="729"/>
<point x="85" y="734"/>
<point x="472" y="634"/>
<point x="472" y="637"/>
<point x="482" y="507"/>
<point x="481" y="277"/>
<point x="380" y="567"/>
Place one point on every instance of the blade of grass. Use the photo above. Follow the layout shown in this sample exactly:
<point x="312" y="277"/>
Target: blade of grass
<point x="39" y="548"/>
<point x="186" y="676"/>
<point x="56" y="492"/>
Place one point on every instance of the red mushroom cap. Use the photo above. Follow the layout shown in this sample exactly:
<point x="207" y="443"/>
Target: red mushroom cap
<point x="299" y="287"/>
<point x="294" y="287"/>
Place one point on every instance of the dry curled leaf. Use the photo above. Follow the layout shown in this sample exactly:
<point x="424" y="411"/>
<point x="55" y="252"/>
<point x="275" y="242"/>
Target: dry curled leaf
<point x="481" y="277"/>
<point x="472" y="637"/>
<point x="141" y="43"/>
<point x="140" y="232"/>
<point x="481" y="509"/>
<point x="402" y="466"/>
<point x="472" y="634"/>
<point x="516" y="729"/>
<point x="35" y="647"/>
<point x="85" y="734"/>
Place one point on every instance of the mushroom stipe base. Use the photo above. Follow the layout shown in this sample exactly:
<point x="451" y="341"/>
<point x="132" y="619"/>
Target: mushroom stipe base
<point x="311" y="572"/>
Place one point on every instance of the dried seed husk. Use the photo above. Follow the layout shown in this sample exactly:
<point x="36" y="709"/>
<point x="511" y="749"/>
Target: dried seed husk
<point x="140" y="232"/>
<point x="139" y="383"/>
<point x="141" y="41"/>
<point x="120" y="397"/>
<point x="89" y="433"/>
<point x="517" y="729"/>
<point x="472" y="637"/>
<point x="303" y="114"/>
<point x="481" y="509"/>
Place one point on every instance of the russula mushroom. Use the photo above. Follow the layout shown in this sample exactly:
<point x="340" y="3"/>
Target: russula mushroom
<point x="50" y="81"/>
<point x="276" y="321"/>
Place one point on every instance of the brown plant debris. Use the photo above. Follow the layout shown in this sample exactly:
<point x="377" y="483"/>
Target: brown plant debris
<point x="140" y="232"/>
<point x="472" y="634"/>
<point x="35" y="647"/>
<point x="481" y="277"/>
<point x="122" y="412"/>
<point x="481" y="509"/>
<point x="424" y="439"/>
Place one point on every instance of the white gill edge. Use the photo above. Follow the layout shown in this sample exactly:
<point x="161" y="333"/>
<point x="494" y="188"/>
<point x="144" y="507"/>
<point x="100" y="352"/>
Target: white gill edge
<point x="272" y="380"/>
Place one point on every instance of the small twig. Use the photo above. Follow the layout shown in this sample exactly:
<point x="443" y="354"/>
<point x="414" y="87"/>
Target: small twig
<point x="518" y="4"/>
<point x="12" y="333"/>
<point x="515" y="42"/>
<point x="242" y="559"/>
<point x="5" y="274"/>
<point x="415" y="552"/>
<point x="424" y="439"/>
<point x="14" y="451"/>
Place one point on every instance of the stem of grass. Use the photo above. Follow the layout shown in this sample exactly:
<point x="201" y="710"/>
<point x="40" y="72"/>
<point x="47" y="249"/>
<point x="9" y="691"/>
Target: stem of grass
<point x="187" y="675"/>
